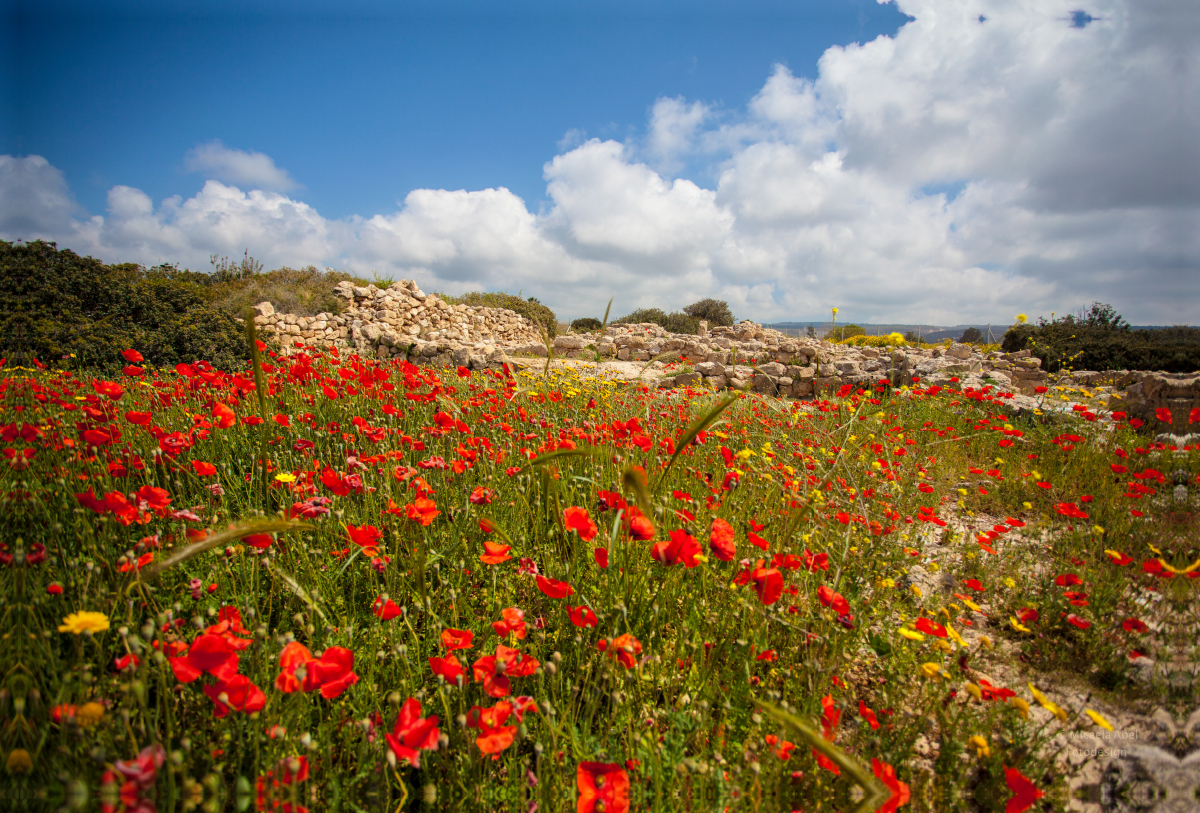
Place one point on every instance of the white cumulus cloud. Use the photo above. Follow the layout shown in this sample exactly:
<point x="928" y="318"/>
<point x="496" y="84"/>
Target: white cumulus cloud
<point x="239" y="167"/>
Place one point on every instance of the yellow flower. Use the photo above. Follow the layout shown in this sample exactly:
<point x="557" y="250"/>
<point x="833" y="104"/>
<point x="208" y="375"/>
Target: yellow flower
<point x="1017" y="625"/>
<point x="972" y="605"/>
<point x="954" y="636"/>
<point x="1010" y="584"/>
<point x="1022" y="318"/>
<point x="285" y="478"/>
<point x="84" y="622"/>
<point x="974" y="691"/>
<point x="89" y="714"/>
<point x="986" y="641"/>
<point x="917" y="591"/>
<point x="1021" y="706"/>
<point x="944" y="646"/>
<point x="981" y="746"/>
<point x="835" y="311"/>
<point x="1047" y="704"/>
<point x="19" y="761"/>
<point x="1098" y="719"/>
<point x="931" y="670"/>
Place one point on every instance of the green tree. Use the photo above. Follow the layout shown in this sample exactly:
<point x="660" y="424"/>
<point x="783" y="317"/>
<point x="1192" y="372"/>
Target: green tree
<point x="971" y="335"/>
<point x="716" y="311"/>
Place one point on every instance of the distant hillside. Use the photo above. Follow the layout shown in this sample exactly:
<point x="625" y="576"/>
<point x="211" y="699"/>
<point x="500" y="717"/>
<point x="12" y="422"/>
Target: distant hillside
<point x="928" y="333"/>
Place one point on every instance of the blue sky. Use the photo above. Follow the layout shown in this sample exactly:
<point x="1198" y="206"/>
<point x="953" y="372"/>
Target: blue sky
<point x="362" y="108"/>
<point x="940" y="161"/>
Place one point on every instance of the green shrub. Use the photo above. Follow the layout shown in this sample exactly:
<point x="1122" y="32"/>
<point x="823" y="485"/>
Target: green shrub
<point x="585" y="324"/>
<point x="673" y="322"/>
<point x="971" y="335"/>
<point x="302" y="291"/>
<point x="59" y="304"/>
<point x="1101" y="340"/>
<point x="716" y="311"/>
<point x="530" y="308"/>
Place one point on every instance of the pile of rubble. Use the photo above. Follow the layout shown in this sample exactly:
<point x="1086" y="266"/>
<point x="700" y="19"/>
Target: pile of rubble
<point x="748" y="355"/>
<point x="401" y="321"/>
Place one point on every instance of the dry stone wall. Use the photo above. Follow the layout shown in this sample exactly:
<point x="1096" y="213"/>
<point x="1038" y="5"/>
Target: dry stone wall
<point x="767" y="361"/>
<point x="401" y="321"/>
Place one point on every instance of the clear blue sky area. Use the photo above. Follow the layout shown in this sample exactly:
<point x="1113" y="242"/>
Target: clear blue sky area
<point x="363" y="104"/>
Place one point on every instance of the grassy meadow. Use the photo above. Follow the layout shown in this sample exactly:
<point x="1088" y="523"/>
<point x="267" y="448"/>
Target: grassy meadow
<point x="324" y="582"/>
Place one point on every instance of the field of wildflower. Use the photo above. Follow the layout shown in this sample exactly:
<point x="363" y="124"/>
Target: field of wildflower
<point x="324" y="582"/>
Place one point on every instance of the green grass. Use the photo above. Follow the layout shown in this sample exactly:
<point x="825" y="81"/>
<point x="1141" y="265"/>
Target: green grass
<point x="693" y="719"/>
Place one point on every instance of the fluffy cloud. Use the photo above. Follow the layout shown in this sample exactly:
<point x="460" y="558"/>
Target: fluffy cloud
<point x="239" y="167"/>
<point x="991" y="158"/>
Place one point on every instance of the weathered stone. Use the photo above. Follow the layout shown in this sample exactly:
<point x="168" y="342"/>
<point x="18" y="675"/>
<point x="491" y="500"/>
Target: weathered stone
<point x="959" y="351"/>
<point x="764" y="385"/>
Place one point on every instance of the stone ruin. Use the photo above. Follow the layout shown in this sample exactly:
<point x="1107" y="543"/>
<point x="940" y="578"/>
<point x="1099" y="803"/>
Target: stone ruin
<point x="749" y="355"/>
<point x="402" y="322"/>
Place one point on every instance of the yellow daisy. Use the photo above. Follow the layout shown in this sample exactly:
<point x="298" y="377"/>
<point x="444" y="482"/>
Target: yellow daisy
<point x="84" y="622"/>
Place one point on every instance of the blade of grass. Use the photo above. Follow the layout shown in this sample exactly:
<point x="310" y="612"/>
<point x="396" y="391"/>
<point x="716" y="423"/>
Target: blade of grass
<point x="876" y="793"/>
<point x="695" y="429"/>
<point x="224" y="537"/>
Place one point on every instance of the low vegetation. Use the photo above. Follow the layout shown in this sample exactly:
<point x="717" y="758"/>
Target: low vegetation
<point x="333" y="583"/>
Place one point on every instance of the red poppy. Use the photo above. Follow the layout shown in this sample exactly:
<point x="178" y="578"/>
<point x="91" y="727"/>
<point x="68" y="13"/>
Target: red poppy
<point x="294" y="655"/>
<point x="1027" y="614"/>
<point x="422" y="510"/>
<point x="482" y="496"/>
<point x="868" y="715"/>
<point x="493" y="671"/>
<point x="831" y="599"/>
<point x="448" y="667"/>
<point x="133" y="356"/>
<point x="386" y="609"/>
<point x="582" y="616"/>
<point x="814" y="563"/>
<point x="768" y="583"/>
<point x="682" y="548"/>
<point x="554" y="588"/>
<point x="236" y="693"/>
<point x="494" y="736"/>
<point x="334" y="483"/>
<point x="366" y="537"/>
<point x="512" y="621"/>
<point x="886" y="774"/>
<point x="129" y="661"/>
<point x="1025" y="793"/>
<point x="624" y="648"/>
<point x="1068" y="580"/>
<point x="1134" y="625"/>
<point x="209" y="653"/>
<point x="1078" y="622"/>
<point x="721" y="541"/>
<point x="454" y="639"/>
<point x="204" y="469"/>
<point x="224" y="415"/>
<point x="603" y="788"/>
<point x="601" y="557"/>
<point x="332" y="673"/>
<point x="577" y="519"/>
<point x="830" y="717"/>
<point x="974" y="584"/>
<point x="930" y="627"/>
<point x="412" y="733"/>
<point x="1163" y="414"/>
<point x="494" y="553"/>
<point x="138" y="418"/>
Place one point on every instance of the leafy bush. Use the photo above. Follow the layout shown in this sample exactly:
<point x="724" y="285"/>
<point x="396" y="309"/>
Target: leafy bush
<point x="971" y="335"/>
<point x="1101" y="340"/>
<point x="843" y="332"/>
<point x="304" y="291"/>
<point x="716" y="311"/>
<point x="530" y="308"/>
<point x="586" y="323"/>
<point x="675" y="322"/>
<point x="890" y="340"/>
<point x="59" y="304"/>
